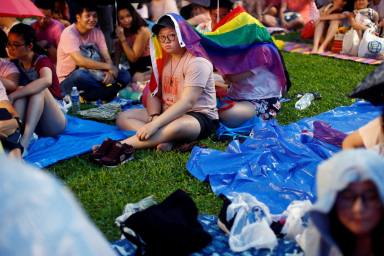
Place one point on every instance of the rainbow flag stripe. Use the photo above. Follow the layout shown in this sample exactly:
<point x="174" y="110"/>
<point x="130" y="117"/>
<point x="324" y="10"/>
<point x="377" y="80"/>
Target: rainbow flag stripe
<point x="237" y="44"/>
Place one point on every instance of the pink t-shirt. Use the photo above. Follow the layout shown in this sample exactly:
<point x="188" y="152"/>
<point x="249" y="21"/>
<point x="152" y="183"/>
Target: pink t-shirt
<point x="70" y="42"/>
<point x="7" y="68"/>
<point x="190" y="71"/>
<point x="51" y="33"/>
<point x="306" y="8"/>
<point x="3" y="92"/>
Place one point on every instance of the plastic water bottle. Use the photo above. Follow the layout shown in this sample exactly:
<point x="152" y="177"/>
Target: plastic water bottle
<point x="75" y="98"/>
<point x="304" y="101"/>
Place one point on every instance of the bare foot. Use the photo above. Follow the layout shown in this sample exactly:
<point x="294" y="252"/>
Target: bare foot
<point x="314" y="51"/>
<point x="321" y="50"/>
<point x="164" y="147"/>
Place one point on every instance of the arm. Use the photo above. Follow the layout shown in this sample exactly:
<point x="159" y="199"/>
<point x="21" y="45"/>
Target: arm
<point x="259" y="9"/>
<point x="188" y="98"/>
<point x="283" y="8"/>
<point x="353" y="140"/>
<point x="36" y="86"/>
<point x="334" y="16"/>
<point x="11" y="81"/>
<point x="355" y="25"/>
<point x="135" y="52"/>
<point x="117" y="55"/>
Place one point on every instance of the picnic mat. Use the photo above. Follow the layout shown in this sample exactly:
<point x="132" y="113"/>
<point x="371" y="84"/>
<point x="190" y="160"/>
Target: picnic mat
<point x="306" y="49"/>
<point x="277" y="164"/>
<point x="219" y="244"/>
<point x="78" y="138"/>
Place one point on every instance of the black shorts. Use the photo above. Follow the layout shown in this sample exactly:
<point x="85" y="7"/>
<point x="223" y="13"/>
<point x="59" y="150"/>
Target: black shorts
<point x="207" y="125"/>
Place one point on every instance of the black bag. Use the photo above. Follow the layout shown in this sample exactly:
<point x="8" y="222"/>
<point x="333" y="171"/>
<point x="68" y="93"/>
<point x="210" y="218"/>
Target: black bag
<point x="170" y="228"/>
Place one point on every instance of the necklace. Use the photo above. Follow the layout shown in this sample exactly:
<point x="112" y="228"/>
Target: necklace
<point x="173" y="71"/>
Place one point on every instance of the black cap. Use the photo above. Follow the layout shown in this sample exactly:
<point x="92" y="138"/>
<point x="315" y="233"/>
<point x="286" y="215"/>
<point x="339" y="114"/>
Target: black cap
<point x="163" y="22"/>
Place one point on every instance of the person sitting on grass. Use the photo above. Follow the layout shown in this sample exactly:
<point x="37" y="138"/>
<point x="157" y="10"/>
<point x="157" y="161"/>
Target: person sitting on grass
<point x="300" y="12"/>
<point x="183" y="108"/>
<point x="35" y="99"/>
<point x="348" y="216"/>
<point x="363" y="18"/>
<point x="10" y="126"/>
<point x="83" y="59"/>
<point x="370" y="136"/>
<point x="9" y="75"/>
<point x="133" y="43"/>
<point x="331" y="17"/>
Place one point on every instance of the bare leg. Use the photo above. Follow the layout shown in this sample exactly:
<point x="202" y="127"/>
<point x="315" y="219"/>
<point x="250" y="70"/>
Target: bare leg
<point x="239" y="113"/>
<point x="269" y="21"/>
<point x="43" y="113"/>
<point x="21" y="106"/>
<point x="52" y="121"/>
<point x="332" y="30"/>
<point x="132" y="119"/>
<point x="319" y="30"/>
<point x="32" y="116"/>
<point x="185" y="128"/>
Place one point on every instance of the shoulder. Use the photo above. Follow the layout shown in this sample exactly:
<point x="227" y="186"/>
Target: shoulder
<point x="57" y="24"/>
<point x="43" y="61"/>
<point x="199" y="62"/>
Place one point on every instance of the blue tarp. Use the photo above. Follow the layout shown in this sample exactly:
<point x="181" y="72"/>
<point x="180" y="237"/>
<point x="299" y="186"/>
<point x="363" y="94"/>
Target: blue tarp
<point x="219" y="244"/>
<point x="278" y="163"/>
<point x="78" y="138"/>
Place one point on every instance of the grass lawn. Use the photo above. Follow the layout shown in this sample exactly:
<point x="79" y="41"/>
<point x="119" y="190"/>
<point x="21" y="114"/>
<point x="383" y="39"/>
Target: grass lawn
<point x="103" y="192"/>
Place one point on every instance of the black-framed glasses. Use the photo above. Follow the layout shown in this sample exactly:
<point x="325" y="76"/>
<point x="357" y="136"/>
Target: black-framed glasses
<point x="369" y="199"/>
<point x="14" y="44"/>
<point x="169" y="37"/>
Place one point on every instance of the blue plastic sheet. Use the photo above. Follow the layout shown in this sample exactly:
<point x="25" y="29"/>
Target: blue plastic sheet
<point x="219" y="244"/>
<point x="78" y="138"/>
<point x="278" y="164"/>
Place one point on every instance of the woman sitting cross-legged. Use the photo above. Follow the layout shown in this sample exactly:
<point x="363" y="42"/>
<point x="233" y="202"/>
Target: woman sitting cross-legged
<point x="182" y="109"/>
<point x="35" y="99"/>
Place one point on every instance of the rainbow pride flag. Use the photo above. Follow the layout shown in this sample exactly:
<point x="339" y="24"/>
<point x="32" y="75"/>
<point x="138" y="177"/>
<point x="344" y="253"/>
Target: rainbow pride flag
<point x="238" y="43"/>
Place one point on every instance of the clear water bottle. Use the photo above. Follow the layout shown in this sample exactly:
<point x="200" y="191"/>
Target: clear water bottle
<point x="304" y="101"/>
<point x="75" y="98"/>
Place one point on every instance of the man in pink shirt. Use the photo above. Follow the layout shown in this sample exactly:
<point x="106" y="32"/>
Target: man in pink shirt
<point x="94" y="74"/>
<point x="48" y="30"/>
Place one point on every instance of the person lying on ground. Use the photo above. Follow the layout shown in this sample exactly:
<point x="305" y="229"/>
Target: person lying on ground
<point x="36" y="99"/>
<point x="348" y="216"/>
<point x="331" y="17"/>
<point x="184" y="107"/>
<point x="133" y="40"/>
<point x="370" y="136"/>
<point x="83" y="59"/>
<point x="48" y="30"/>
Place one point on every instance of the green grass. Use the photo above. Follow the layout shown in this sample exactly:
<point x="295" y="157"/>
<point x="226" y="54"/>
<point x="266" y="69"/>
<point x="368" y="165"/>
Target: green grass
<point x="103" y="192"/>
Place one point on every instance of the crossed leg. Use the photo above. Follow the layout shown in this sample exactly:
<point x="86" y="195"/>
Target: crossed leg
<point x="184" y="128"/>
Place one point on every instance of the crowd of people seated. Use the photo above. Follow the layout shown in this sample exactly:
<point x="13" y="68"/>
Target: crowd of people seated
<point x="41" y="63"/>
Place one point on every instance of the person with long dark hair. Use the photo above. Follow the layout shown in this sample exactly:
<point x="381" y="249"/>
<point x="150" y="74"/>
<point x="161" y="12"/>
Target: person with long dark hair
<point x="9" y="75"/>
<point x="348" y="216"/>
<point x="133" y="39"/>
<point x="35" y="99"/>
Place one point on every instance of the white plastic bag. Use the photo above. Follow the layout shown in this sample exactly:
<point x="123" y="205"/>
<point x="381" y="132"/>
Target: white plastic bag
<point x="351" y="43"/>
<point x="371" y="46"/>
<point x="295" y="224"/>
<point x="251" y="226"/>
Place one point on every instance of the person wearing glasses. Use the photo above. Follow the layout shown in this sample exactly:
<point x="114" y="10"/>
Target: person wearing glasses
<point x="36" y="99"/>
<point x="184" y="107"/>
<point x="348" y="216"/>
